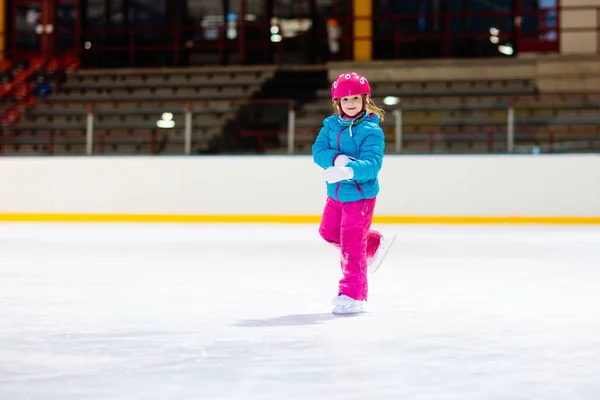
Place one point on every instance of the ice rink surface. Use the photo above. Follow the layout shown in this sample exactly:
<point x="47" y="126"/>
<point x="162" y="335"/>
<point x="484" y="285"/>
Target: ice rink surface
<point x="242" y="312"/>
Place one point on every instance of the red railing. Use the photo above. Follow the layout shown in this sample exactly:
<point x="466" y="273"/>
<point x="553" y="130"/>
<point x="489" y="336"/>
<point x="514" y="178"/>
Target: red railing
<point x="544" y="38"/>
<point x="176" y="42"/>
<point x="18" y="86"/>
<point x="253" y="43"/>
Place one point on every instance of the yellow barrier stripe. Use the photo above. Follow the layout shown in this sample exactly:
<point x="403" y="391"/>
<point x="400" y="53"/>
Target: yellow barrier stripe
<point x="290" y="219"/>
<point x="459" y="220"/>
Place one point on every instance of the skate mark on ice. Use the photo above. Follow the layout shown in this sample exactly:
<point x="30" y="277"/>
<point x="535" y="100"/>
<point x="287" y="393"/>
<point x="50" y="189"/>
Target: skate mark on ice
<point x="286" y="320"/>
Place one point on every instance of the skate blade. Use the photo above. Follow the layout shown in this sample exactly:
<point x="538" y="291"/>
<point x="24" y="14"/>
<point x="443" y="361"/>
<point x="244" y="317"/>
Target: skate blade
<point x="347" y="311"/>
<point x="375" y="268"/>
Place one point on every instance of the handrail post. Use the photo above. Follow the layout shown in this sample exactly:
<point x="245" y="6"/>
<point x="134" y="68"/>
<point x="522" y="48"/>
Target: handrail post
<point x="291" y="127"/>
<point x="510" y="127"/>
<point x="597" y="30"/>
<point x="447" y="38"/>
<point x="176" y="38"/>
<point x="398" y="129"/>
<point x="132" y="47"/>
<point x="188" y="129"/>
<point x="89" y="141"/>
<point x="242" y="32"/>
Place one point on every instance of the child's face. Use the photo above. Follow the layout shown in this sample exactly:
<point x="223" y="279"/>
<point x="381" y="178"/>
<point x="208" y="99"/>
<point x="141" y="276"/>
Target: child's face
<point x="351" y="105"/>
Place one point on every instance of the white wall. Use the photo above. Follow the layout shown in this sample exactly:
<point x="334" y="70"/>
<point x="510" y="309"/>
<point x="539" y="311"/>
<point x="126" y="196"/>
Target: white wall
<point x="503" y="185"/>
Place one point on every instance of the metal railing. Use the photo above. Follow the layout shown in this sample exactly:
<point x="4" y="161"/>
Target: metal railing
<point x="509" y="131"/>
<point x="188" y="123"/>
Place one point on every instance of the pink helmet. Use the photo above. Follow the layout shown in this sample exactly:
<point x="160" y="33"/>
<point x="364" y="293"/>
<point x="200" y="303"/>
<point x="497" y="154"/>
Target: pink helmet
<point x="350" y="84"/>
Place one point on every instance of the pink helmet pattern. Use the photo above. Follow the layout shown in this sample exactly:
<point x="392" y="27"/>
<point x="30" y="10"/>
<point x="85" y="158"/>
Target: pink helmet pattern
<point x="350" y="84"/>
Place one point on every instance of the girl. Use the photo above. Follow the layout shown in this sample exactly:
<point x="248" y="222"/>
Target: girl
<point x="350" y="148"/>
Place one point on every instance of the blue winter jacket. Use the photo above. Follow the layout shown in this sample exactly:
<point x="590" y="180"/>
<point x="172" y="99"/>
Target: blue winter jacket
<point x="362" y="140"/>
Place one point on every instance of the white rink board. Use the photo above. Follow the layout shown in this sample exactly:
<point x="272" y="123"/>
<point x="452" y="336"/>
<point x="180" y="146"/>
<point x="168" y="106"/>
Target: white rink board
<point x="489" y="185"/>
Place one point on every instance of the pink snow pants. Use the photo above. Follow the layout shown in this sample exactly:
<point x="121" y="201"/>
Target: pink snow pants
<point x="347" y="227"/>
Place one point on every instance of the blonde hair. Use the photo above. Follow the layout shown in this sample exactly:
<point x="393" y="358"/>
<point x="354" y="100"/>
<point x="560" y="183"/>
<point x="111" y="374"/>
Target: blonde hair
<point x="371" y="107"/>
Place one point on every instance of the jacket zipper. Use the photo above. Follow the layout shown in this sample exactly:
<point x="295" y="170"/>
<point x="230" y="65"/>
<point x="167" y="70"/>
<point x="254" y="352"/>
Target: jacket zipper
<point x="337" y="189"/>
<point x="339" y="140"/>
<point x="358" y="187"/>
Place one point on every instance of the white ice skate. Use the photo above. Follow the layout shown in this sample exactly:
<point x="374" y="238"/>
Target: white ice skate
<point x="375" y="262"/>
<point x="346" y="305"/>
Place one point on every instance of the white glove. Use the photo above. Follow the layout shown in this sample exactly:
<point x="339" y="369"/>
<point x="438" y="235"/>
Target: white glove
<point x="336" y="174"/>
<point x="342" y="160"/>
